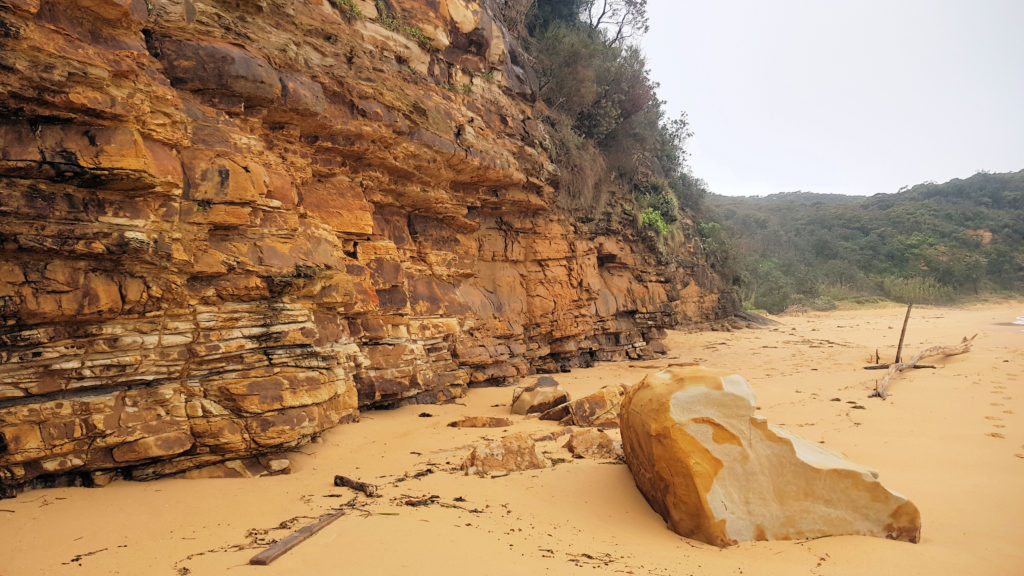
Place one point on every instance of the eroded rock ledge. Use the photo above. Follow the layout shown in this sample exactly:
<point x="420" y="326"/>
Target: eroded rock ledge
<point x="226" y="226"/>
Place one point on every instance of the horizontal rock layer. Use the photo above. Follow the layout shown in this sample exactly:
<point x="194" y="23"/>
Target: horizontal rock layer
<point x="227" y="226"/>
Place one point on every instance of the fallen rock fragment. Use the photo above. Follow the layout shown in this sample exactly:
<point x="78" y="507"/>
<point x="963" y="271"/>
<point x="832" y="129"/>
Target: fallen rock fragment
<point x="718" y="473"/>
<point x="550" y="436"/>
<point x="481" y="422"/>
<point x="593" y="443"/>
<point x="600" y="409"/>
<point x="513" y="453"/>
<point x="542" y="396"/>
<point x="242" y="468"/>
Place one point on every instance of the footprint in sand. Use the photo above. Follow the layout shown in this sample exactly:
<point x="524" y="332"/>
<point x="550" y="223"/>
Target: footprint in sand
<point x="992" y="418"/>
<point x="1008" y="412"/>
<point x="996" y="404"/>
<point x="1007" y="397"/>
<point x="995" y="435"/>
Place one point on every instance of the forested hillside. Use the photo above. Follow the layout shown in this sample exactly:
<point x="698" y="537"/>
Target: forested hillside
<point x="929" y="243"/>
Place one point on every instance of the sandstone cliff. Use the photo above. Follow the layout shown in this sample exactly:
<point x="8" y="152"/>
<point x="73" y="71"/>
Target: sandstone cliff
<point x="228" y="225"/>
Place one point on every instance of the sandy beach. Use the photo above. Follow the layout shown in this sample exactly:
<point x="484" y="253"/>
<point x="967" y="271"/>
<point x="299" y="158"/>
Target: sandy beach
<point x="951" y="439"/>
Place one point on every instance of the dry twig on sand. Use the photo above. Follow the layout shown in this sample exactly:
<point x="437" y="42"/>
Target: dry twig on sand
<point x="963" y="347"/>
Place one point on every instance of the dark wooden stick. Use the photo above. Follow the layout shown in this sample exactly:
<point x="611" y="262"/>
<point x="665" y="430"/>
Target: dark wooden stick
<point x="279" y="548"/>
<point x="368" y="489"/>
<point x="899" y="348"/>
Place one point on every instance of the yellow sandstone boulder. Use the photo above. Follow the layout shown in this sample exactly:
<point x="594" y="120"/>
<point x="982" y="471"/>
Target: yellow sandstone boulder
<point x="718" y="473"/>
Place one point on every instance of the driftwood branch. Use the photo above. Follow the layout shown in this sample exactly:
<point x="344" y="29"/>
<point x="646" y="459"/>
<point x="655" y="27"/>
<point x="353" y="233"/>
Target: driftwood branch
<point x="278" y="549"/>
<point x="368" y="489"/>
<point x="963" y="347"/>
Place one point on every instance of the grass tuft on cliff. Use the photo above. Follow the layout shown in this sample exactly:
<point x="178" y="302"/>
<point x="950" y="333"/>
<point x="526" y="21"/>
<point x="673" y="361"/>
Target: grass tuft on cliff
<point x="394" y="22"/>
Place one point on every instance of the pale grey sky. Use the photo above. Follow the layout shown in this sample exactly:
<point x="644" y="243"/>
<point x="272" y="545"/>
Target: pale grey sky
<point x="842" y="96"/>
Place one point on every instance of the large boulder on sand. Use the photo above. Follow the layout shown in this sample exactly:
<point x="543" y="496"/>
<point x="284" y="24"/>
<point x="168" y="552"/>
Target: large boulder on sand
<point x="718" y="473"/>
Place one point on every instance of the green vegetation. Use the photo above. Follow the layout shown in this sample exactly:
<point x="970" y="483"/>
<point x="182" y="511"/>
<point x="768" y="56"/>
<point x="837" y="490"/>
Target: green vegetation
<point x="651" y="218"/>
<point x="394" y="22"/>
<point x="931" y="243"/>
<point x="610" y="132"/>
<point x="347" y="8"/>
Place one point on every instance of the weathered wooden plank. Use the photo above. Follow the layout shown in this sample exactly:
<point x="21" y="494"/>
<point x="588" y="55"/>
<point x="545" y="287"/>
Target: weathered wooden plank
<point x="279" y="548"/>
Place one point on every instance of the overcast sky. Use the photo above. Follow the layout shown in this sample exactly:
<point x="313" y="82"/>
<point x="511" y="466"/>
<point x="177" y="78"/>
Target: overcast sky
<point x="842" y="96"/>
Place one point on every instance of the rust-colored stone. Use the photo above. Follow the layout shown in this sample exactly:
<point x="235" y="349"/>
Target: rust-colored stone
<point x="593" y="443"/>
<point x="513" y="453"/>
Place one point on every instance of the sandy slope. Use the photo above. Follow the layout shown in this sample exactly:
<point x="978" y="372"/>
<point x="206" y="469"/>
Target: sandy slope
<point x="952" y="439"/>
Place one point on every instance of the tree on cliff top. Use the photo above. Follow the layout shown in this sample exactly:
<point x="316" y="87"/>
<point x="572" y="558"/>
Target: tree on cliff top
<point x="618" y="20"/>
<point x="594" y="78"/>
<point x="621" y="20"/>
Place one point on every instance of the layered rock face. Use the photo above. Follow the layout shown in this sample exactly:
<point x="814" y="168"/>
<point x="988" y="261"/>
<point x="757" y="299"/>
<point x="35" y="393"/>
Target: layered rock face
<point x="226" y="226"/>
<point x="718" y="473"/>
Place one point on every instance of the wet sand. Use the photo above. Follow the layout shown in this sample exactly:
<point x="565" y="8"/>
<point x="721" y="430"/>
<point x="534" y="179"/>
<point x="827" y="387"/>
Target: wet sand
<point x="951" y="439"/>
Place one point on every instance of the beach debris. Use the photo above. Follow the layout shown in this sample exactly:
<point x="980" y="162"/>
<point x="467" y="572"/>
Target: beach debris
<point x="593" y="443"/>
<point x="279" y="548"/>
<point x="718" y="473"/>
<point x="415" y="476"/>
<point x="899" y="347"/>
<point x="550" y="436"/>
<point x="600" y="409"/>
<point x="424" y="501"/>
<point x="881" y="389"/>
<point x="481" y="422"/>
<point x="368" y="489"/>
<point x="539" y="397"/>
<point x="512" y="453"/>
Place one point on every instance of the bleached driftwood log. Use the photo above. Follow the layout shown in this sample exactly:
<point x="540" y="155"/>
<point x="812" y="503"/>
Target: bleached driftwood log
<point x="894" y="369"/>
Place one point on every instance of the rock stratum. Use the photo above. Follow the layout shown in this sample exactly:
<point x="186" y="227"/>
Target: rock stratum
<point x="226" y="226"/>
<point x="718" y="473"/>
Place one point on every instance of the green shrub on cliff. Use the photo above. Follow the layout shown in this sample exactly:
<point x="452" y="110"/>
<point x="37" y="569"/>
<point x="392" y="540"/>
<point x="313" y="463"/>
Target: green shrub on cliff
<point x="651" y="218"/>
<point x="347" y="8"/>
